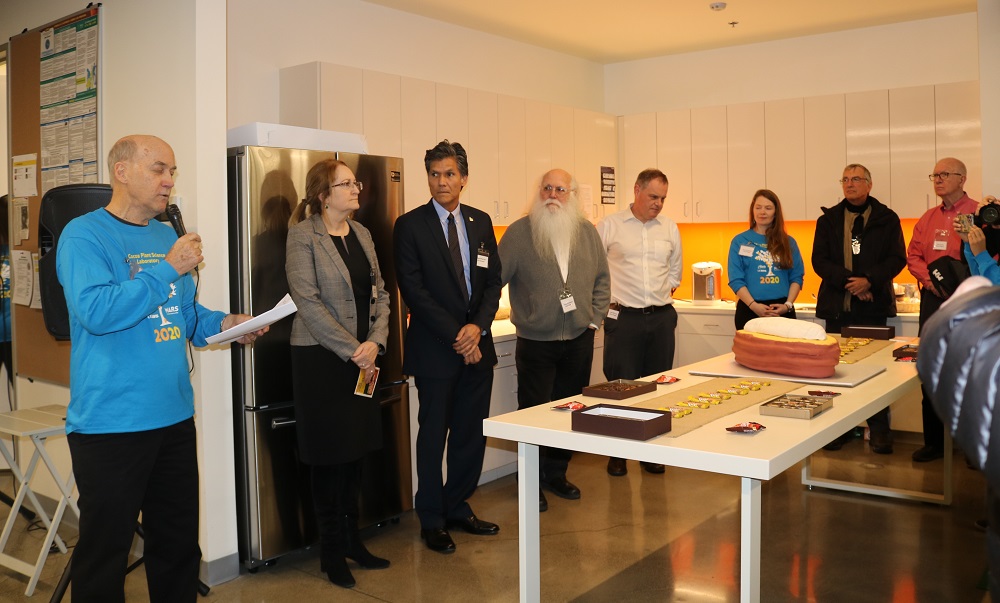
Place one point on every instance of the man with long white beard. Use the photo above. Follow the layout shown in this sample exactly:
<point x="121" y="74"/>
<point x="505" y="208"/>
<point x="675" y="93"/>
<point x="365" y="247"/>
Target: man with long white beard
<point x="560" y="287"/>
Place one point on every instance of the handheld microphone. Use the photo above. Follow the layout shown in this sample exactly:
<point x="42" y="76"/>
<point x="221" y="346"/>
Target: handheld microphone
<point x="174" y="215"/>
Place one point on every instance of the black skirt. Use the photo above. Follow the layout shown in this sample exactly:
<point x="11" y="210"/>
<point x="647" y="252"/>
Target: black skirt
<point x="332" y="423"/>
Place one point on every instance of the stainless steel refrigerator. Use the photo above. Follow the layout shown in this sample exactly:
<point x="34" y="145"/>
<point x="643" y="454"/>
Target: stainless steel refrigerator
<point x="273" y="497"/>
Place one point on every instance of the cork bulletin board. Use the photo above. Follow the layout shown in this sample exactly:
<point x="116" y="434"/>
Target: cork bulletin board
<point x="54" y="116"/>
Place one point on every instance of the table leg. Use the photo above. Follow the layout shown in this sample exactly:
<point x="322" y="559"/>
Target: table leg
<point x="529" y="535"/>
<point x="750" y="540"/>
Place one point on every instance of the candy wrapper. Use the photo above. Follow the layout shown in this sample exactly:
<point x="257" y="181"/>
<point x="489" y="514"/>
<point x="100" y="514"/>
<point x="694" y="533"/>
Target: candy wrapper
<point x="666" y="380"/>
<point x="825" y="394"/>
<point x="570" y="406"/>
<point x="749" y="427"/>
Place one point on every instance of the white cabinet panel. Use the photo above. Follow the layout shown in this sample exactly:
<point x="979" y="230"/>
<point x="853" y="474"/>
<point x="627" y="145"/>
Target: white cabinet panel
<point x="911" y="148"/>
<point x="745" y="142"/>
<point x="513" y="179"/>
<point x="709" y="164"/>
<point x="785" y="159"/>
<point x="381" y="112"/>
<point x="673" y="157"/>
<point x="826" y="152"/>
<point x="483" y="189"/>
<point x="703" y="336"/>
<point x="596" y="146"/>
<point x="638" y="150"/>
<point x="298" y="95"/>
<point x="866" y="123"/>
<point x="958" y="130"/>
<point x="563" y="140"/>
<point x="341" y="107"/>
<point x="538" y="151"/>
<point x="418" y="125"/>
<point x="452" y="109"/>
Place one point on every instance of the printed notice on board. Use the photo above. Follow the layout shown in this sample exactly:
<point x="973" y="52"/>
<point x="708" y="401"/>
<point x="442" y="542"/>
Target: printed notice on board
<point x="607" y="185"/>
<point x="25" y="168"/>
<point x="68" y="103"/>
<point x="23" y="276"/>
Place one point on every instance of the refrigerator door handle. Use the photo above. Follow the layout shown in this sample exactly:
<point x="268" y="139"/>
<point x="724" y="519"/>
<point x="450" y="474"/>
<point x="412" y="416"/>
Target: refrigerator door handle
<point x="281" y="422"/>
<point x="392" y="383"/>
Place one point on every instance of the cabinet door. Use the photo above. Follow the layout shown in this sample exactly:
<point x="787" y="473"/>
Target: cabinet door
<point x="591" y="156"/>
<point x="341" y="105"/>
<point x="500" y="458"/>
<point x="563" y="128"/>
<point x="452" y="108"/>
<point x="709" y="164"/>
<point x="957" y="130"/>
<point x="382" y="129"/>
<point x="745" y="143"/>
<point x="418" y="125"/>
<point x="826" y="152"/>
<point x="513" y="180"/>
<point x="673" y="157"/>
<point x="483" y="190"/>
<point x="911" y="148"/>
<point x="538" y="151"/>
<point x="866" y="121"/>
<point x="785" y="160"/>
<point x="638" y="151"/>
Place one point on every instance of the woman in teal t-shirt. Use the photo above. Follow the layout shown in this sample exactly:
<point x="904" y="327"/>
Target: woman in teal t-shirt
<point x="765" y="266"/>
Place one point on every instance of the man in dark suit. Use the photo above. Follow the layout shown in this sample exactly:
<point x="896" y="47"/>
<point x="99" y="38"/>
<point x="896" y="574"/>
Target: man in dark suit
<point x="448" y="271"/>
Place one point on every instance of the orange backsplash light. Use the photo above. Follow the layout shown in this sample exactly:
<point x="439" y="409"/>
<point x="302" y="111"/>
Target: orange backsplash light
<point x="710" y="243"/>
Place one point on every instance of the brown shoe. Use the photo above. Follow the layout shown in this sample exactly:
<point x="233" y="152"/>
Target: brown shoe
<point x="617" y="467"/>
<point x="655" y="468"/>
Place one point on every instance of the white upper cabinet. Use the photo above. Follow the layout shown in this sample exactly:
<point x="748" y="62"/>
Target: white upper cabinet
<point x="418" y="128"/>
<point x="562" y="123"/>
<point x="538" y="149"/>
<point x="867" y="137"/>
<point x="709" y="164"/>
<point x="673" y="157"/>
<point x="826" y="152"/>
<point x="483" y="190"/>
<point x="637" y="139"/>
<point x="596" y="147"/>
<point x="321" y="95"/>
<point x="911" y="149"/>
<point x="381" y="113"/>
<point x="785" y="158"/>
<point x="745" y="127"/>
<point x="958" y="130"/>
<point x="513" y="180"/>
<point x="452" y="109"/>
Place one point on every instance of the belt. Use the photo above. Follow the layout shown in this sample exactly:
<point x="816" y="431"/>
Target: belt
<point x="646" y="310"/>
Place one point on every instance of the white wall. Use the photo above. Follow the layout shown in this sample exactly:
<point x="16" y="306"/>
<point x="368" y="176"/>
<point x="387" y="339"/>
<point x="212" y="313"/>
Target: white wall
<point x="989" y="93"/>
<point x="914" y="53"/>
<point x="4" y="171"/>
<point x="264" y="37"/>
<point x="152" y="83"/>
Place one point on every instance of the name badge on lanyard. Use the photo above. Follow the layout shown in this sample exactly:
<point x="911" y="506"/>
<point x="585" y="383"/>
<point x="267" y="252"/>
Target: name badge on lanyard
<point x="482" y="257"/>
<point x="566" y="301"/>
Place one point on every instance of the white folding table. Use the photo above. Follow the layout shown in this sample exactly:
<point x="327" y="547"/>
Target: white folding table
<point x="753" y="458"/>
<point x="37" y="424"/>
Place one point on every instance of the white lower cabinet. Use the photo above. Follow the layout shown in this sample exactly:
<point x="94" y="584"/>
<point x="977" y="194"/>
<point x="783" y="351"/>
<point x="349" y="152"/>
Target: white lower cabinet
<point x="702" y="336"/>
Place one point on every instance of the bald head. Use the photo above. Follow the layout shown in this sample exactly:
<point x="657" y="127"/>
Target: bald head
<point x="557" y="186"/>
<point x="950" y="188"/>
<point x="142" y="175"/>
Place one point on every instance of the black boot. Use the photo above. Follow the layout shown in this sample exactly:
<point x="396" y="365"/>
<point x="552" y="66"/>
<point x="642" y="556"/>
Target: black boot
<point x="332" y="562"/>
<point x="355" y="549"/>
<point x="337" y="571"/>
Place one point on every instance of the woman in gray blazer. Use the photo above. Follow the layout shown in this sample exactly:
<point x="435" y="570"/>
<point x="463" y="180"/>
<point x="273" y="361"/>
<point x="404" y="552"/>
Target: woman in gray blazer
<point x="339" y="330"/>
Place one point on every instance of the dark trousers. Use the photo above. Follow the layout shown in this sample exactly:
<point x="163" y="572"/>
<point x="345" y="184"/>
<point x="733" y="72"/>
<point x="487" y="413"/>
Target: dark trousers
<point x="335" y="492"/>
<point x="878" y="422"/>
<point x="744" y="314"/>
<point x="551" y="370"/>
<point x="636" y="344"/>
<point x="117" y="476"/>
<point x="933" y="428"/>
<point x="451" y="410"/>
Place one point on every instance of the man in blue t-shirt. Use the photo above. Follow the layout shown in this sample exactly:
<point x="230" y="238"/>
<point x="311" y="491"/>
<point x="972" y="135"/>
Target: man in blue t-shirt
<point x="130" y="421"/>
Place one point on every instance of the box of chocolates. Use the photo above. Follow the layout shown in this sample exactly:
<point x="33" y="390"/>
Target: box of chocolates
<point x="796" y="406"/>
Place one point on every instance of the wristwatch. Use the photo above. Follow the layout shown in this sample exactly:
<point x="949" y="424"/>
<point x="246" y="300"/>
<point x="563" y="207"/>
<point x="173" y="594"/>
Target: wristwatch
<point x="790" y="305"/>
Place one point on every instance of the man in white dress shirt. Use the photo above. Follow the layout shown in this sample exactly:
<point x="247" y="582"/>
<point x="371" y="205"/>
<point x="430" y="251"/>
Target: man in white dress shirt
<point x="644" y="256"/>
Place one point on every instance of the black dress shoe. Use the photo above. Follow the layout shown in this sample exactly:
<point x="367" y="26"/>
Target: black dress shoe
<point x="656" y="468"/>
<point x="881" y="443"/>
<point x="617" y="467"/>
<point x="474" y="525"/>
<point x="438" y="540"/>
<point x="561" y="488"/>
<point x="927" y="453"/>
<point x="838" y="443"/>
<point x="543" y="503"/>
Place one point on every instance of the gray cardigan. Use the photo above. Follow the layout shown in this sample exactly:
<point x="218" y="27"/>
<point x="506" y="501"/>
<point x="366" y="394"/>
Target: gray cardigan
<point x="321" y="289"/>
<point x="535" y="284"/>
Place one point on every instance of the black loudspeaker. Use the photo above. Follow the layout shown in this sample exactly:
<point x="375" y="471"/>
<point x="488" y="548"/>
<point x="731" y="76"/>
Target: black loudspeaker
<point x="60" y="205"/>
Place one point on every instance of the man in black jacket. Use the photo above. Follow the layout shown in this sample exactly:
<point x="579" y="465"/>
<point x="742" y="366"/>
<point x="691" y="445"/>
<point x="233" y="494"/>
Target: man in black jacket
<point x="857" y="250"/>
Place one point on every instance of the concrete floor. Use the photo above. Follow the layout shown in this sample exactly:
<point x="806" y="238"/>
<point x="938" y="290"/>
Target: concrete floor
<point x="673" y="537"/>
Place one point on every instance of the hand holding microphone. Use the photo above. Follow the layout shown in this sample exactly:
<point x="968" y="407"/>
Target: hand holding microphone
<point x="185" y="255"/>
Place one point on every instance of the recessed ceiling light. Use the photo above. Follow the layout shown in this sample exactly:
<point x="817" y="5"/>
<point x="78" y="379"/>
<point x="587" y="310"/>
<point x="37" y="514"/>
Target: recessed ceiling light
<point x="717" y="6"/>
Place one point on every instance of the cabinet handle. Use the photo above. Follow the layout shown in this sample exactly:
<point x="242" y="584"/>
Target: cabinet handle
<point x="710" y="324"/>
<point x="281" y="422"/>
<point x="506" y="209"/>
<point x="496" y="210"/>
<point x="697" y="208"/>
<point x="685" y="209"/>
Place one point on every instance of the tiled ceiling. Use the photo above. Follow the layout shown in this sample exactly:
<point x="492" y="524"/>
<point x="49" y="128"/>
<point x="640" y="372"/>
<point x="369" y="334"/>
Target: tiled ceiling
<point x="622" y="30"/>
